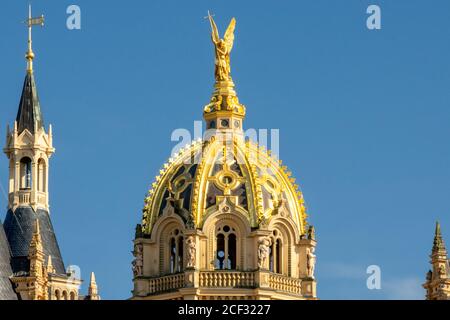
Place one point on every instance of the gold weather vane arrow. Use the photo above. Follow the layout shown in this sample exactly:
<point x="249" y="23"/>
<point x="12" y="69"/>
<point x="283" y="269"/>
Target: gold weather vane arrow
<point x="30" y="22"/>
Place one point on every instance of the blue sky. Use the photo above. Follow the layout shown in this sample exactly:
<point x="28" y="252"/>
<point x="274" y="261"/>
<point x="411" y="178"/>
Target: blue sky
<point x="363" y="118"/>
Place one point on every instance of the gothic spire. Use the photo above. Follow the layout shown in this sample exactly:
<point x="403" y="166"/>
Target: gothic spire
<point x="438" y="242"/>
<point x="29" y="115"/>
<point x="93" y="291"/>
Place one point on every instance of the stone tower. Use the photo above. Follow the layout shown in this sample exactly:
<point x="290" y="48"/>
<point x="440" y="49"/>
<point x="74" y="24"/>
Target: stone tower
<point x="437" y="282"/>
<point x="28" y="239"/>
<point x="224" y="219"/>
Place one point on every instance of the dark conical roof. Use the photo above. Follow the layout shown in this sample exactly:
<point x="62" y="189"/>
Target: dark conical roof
<point x="19" y="231"/>
<point x="29" y="115"/>
<point x="6" y="286"/>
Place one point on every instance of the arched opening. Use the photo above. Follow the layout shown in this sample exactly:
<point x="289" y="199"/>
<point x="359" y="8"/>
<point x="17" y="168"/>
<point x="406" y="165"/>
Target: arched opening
<point x="41" y="175"/>
<point x="65" y="295"/>
<point x="276" y="254"/>
<point x="220" y="251"/>
<point x="279" y="255"/>
<point x="176" y="251"/>
<point x="58" y="295"/>
<point x="72" y="295"/>
<point x="25" y="173"/>
<point x="173" y="255"/>
<point x="11" y="175"/>
<point x="180" y="254"/>
<point x="226" y="248"/>
<point x="232" y="251"/>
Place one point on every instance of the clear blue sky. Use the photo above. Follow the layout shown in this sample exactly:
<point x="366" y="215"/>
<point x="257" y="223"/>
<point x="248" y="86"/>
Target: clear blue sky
<point x="363" y="118"/>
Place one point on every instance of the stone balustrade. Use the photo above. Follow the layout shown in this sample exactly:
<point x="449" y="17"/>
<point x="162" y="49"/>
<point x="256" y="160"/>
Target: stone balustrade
<point x="227" y="279"/>
<point x="166" y="283"/>
<point x="283" y="283"/>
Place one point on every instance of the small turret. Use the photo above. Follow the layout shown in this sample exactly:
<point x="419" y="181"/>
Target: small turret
<point x="438" y="281"/>
<point x="93" y="290"/>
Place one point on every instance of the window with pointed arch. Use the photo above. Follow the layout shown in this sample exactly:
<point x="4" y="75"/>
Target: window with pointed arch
<point x="276" y="253"/>
<point x="226" y="245"/>
<point x="176" y="251"/>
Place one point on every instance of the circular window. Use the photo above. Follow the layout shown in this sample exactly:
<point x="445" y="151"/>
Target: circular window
<point x="225" y="123"/>
<point x="180" y="183"/>
<point x="237" y="123"/>
<point x="227" y="180"/>
<point x="221" y="254"/>
<point x="226" y="228"/>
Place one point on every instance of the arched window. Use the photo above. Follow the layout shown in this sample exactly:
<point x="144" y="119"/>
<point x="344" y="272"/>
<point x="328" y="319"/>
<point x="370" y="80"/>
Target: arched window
<point x="232" y="251"/>
<point x="180" y="254"/>
<point x="176" y="251"/>
<point x="11" y="175"/>
<point x="72" y="295"/>
<point x="65" y="295"/>
<point x="58" y="295"/>
<point x="226" y="245"/>
<point x="41" y="175"/>
<point x="173" y="255"/>
<point x="25" y="173"/>
<point x="220" y="264"/>
<point x="276" y="254"/>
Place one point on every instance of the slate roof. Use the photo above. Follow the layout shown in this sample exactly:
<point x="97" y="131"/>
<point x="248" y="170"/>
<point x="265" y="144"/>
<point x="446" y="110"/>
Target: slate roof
<point x="6" y="286"/>
<point x="29" y="115"/>
<point x="19" y="230"/>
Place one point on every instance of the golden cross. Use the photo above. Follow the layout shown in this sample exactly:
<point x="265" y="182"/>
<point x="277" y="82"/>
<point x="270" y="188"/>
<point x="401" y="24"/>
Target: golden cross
<point x="30" y="22"/>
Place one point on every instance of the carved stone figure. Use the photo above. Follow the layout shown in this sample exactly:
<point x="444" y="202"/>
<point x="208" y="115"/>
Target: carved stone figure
<point x="311" y="233"/>
<point x="310" y="262"/>
<point x="191" y="251"/>
<point x="263" y="252"/>
<point x="138" y="262"/>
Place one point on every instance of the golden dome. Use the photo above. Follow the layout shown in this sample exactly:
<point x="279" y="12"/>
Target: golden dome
<point x="222" y="171"/>
<point x="233" y="175"/>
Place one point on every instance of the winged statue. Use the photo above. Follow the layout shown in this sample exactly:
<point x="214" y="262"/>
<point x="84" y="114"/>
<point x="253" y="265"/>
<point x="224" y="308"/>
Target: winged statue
<point x="222" y="48"/>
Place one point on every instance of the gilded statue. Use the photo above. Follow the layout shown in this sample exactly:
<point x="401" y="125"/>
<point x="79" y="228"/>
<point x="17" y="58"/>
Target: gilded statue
<point x="222" y="49"/>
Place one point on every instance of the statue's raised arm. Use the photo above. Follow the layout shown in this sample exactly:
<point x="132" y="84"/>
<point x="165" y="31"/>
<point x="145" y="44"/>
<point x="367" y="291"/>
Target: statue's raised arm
<point x="223" y="48"/>
<point x="214" y="31"/>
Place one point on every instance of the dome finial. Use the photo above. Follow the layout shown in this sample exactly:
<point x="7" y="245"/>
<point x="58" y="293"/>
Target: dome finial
<point x="30" y="23"/>
<point x="224" y="99"/>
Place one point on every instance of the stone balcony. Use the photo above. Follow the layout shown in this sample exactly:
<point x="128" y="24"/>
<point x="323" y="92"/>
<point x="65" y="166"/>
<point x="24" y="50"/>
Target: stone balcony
<point x="220" y="279"/>
<point x="27" y="197"/>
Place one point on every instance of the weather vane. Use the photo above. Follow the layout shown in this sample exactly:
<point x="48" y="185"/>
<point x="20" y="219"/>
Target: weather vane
<point x="30" y="22"/>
